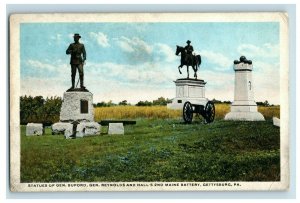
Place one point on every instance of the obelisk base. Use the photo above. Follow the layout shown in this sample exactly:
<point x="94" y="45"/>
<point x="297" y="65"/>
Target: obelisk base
<point x="244" y="116"/>
<point x="244" y="113"/>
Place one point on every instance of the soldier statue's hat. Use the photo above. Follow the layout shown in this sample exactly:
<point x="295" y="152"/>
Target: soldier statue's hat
<point x="188" y="41"/>
<point x="77" y="35"/>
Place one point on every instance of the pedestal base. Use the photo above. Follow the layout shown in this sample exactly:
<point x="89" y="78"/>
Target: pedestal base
<point x="177" y="103"/>
<point x="192" y="90"/>
<point x="244" y="116"/>
<point x="83" y="129"/>
<point x="77" y="106"/>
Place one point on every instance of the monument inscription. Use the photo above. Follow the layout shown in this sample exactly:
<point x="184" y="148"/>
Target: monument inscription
<point x="84" y="106"/>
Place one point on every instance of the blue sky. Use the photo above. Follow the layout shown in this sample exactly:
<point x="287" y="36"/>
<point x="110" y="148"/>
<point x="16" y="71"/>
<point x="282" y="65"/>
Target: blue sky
<point x="137" y="61"/>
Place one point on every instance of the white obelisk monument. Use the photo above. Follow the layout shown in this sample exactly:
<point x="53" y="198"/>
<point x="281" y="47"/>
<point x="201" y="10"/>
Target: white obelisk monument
<point x="244" y="108"/>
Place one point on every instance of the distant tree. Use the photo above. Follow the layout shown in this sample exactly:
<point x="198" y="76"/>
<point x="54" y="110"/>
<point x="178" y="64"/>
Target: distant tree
<point x="265" y="103"/>
<point x="104" y="104"/>
<point x="123" y="103"/>
<point x="215" y="101"/>
<point x="260" y="103"/>
<point x="227" y="102"/>
<point x="110" y="103"/>
<point x="38" y="110"/>
<point x="100" y="104"/>
<point x="161" y="101"/>
<point x="51" y="109"/>
<point x="144" y="103"/>
<point x="30" y="108"/>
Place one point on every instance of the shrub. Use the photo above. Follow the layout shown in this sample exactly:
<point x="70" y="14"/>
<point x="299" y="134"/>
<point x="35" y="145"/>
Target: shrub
<point x="39" y="110"/>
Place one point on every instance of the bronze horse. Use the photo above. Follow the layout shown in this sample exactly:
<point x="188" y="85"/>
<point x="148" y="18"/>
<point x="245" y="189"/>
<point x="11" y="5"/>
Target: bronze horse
<point x="195" y="62"/>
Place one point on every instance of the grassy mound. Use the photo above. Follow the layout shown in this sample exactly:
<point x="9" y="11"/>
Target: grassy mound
<point x="157" y="150"/>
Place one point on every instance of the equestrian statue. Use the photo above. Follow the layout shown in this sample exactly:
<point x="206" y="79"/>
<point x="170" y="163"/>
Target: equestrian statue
<point x="188" y="58"/>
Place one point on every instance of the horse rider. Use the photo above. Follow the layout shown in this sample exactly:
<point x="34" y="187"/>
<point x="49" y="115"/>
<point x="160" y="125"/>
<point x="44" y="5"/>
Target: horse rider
<point x="78" y="56"/>
<point x="189" y="52"/>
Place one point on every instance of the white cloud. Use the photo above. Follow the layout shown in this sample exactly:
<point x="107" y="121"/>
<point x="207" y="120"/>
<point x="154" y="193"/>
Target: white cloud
<point x="56" y="37"/>
<point x="134" y="44"/>
<point x="166" y="51"/>
<point x="101" y="38"/>
<point x="143" y="52"/>
<point x="146" y="73"/>
<point x="266" y="68"/>
<point x="266" y="78"/>
<point x="125" y="46"/>
<point x="107" y="81"/>
<point x="216" y="58"/>
<point x="266" y="83"/>
<point x="220" y="85"/>
<point x="57" y="66"/>
<point x="39" y="65"/>
<point x="265" y="51"/>
<point x="146" y="81"/>
<point x="106" y="89"/>
<point x="46" y="87"/>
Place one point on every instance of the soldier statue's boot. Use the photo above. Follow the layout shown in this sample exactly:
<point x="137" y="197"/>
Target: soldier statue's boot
<point x="73" y="84"/>
<point x="72" y="87"/>
<point x="81" y="82"/>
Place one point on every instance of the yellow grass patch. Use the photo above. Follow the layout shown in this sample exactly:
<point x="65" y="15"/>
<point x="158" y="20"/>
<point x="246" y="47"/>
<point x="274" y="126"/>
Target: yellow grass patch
<point x="133" y="112"/>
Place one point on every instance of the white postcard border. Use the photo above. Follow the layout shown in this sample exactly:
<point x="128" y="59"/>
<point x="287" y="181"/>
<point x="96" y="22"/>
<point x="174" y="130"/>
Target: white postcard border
<point x="17" y="19"/>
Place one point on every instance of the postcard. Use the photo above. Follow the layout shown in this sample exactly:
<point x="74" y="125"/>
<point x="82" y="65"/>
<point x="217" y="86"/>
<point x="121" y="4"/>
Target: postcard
<point x="149" y="102"/>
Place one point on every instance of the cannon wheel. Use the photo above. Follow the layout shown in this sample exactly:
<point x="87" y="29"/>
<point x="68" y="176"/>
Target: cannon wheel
<point x="187" y="112"/>
<point x="209" y="112"/>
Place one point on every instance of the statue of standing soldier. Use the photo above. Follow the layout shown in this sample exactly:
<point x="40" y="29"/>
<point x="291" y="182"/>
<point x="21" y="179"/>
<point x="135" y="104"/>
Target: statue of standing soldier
<point x="78" y="57"/>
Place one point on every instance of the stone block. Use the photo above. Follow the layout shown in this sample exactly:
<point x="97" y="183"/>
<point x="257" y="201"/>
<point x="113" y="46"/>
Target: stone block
<point x="276" y="121"/>
<point x="77" y="106"/>
<point x="34" y="129"/>
<point x="68" y="132"/>
<point x="87" y="129"/>
<point x="116" y="129"/>
<point x="244" y="116"/>
<point x="60" y="128"/>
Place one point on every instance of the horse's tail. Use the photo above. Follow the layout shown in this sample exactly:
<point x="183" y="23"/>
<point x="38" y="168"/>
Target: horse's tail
<point x="198" y="60"/>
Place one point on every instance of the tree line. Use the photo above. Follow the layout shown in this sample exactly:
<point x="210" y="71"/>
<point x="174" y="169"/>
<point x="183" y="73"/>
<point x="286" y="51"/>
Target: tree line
<point x="265" y="103"/>
<point x="161" y="101"/>
<point x="47" y="110"/>
<point x="39" y="110"/>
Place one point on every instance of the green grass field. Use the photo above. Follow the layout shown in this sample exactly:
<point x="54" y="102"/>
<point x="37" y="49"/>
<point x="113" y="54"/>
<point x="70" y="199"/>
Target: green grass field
<point x="157" y="150"/>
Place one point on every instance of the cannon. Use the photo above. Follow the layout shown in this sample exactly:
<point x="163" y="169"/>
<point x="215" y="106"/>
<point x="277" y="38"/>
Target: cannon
<point x="201" y="108"/>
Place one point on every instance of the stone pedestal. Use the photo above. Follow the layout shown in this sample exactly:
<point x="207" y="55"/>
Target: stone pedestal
<point x="77" y="114"/>
<point x="77" y="106"/>
<point x="192" y="90"/>
<point x="244" y="107"/>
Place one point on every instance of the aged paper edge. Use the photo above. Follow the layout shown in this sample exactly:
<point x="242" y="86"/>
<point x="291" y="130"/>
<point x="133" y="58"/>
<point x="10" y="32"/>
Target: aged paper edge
<point x="17" y="19"/>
